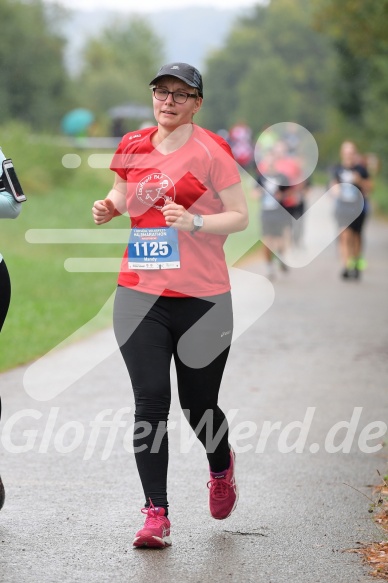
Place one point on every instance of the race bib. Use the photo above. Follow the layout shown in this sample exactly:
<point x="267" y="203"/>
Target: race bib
<point x="153" y="248"/>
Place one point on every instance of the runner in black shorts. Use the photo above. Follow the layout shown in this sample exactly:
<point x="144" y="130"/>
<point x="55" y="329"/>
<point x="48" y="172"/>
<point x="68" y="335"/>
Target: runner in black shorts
<point x="350" y="178"/>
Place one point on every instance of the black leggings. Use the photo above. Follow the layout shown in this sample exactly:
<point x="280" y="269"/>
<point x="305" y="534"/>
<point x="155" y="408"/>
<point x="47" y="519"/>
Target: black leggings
<point x="5" y="296"/>
<point x="5" y="292"/>
<point x="150" y="330"/>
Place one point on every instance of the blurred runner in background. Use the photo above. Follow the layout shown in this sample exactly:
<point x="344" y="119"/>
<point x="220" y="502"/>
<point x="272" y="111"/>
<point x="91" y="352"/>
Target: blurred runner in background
<point x="240" y="140"/>
<point x="350" y="177"/>
<point x="288" y="165"/>
<point x="275" y="222"/>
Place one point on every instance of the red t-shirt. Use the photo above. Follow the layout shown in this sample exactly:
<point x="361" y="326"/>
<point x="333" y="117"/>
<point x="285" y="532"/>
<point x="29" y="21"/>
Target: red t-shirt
<point x="291" y="169"/>
<point x="191" y="176"/>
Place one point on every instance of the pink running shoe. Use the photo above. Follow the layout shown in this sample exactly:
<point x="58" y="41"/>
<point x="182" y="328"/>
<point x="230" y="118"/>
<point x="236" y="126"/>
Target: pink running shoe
<point x="223" y="494"/>
<point x="156" y="530"/>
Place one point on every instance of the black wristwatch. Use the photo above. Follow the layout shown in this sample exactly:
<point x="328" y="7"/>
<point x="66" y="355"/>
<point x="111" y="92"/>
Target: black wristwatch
<point x="198" y="223"/>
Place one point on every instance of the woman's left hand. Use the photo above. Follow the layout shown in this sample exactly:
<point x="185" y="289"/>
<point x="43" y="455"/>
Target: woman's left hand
<point x="177" y="216"/>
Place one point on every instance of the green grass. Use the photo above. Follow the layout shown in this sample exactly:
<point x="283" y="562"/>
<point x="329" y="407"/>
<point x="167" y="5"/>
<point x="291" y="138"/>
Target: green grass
<point x="240" y="246"/>
<point x="48" y="303"/>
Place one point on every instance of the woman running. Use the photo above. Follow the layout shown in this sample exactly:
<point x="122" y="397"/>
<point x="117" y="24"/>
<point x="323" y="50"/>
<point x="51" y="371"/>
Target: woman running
<point x="181" y="188"/>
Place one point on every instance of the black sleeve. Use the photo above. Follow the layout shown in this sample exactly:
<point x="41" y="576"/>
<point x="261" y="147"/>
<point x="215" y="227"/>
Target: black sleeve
<point x="363" y="172"/>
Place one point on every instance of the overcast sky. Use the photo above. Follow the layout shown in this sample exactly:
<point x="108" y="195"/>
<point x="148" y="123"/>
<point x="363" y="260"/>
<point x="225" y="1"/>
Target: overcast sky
<point x="151" y="5"/>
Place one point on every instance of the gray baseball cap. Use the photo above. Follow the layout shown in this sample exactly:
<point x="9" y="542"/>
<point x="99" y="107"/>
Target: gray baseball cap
<point x="182" y="71"/>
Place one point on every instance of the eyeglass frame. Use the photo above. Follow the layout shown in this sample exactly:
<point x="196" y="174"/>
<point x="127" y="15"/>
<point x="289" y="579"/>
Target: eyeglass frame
<point x="172" y="93"/>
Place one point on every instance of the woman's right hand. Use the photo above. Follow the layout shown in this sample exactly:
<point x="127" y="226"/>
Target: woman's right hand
<point x="103" y="211"/>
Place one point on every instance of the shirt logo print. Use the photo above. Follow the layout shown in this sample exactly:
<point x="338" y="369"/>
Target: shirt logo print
<point x="155" y="190"/>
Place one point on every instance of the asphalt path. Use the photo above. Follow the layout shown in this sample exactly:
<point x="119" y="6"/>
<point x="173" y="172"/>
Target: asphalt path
<point x="317" y="354"/>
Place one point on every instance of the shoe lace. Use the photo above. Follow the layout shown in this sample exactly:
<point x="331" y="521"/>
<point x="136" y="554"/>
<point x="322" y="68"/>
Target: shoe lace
<point x="219" y="488"/>
<point x="153" y="518"/>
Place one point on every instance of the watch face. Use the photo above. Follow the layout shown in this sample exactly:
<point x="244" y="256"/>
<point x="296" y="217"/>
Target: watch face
<point x="198" y="221"/>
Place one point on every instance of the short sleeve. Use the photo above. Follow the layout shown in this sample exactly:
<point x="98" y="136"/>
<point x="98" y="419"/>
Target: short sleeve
<point x="117" y="161"/>
<point x="224" y="170"/>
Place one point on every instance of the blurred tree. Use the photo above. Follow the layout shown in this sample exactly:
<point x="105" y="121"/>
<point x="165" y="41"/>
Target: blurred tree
<point x="376" y="108"/>
<point x="350" y="81"/>
<point x="274" y="67"/>
<point x="363" y="24"/>
<point x="119" y="64"/>
<point x="266" y="94"/>
<point x="357" y="30"/>
<point x="34" y="81"/>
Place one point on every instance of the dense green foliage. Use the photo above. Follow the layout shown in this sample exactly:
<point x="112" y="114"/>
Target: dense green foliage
<point x="118" y="65"/>
<point x="34" y="84"/>
<point x="362" y="24"/>
<point x="274" y="68"/>
<point x="357" y="30"/>
<point x="321" y="64"/>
